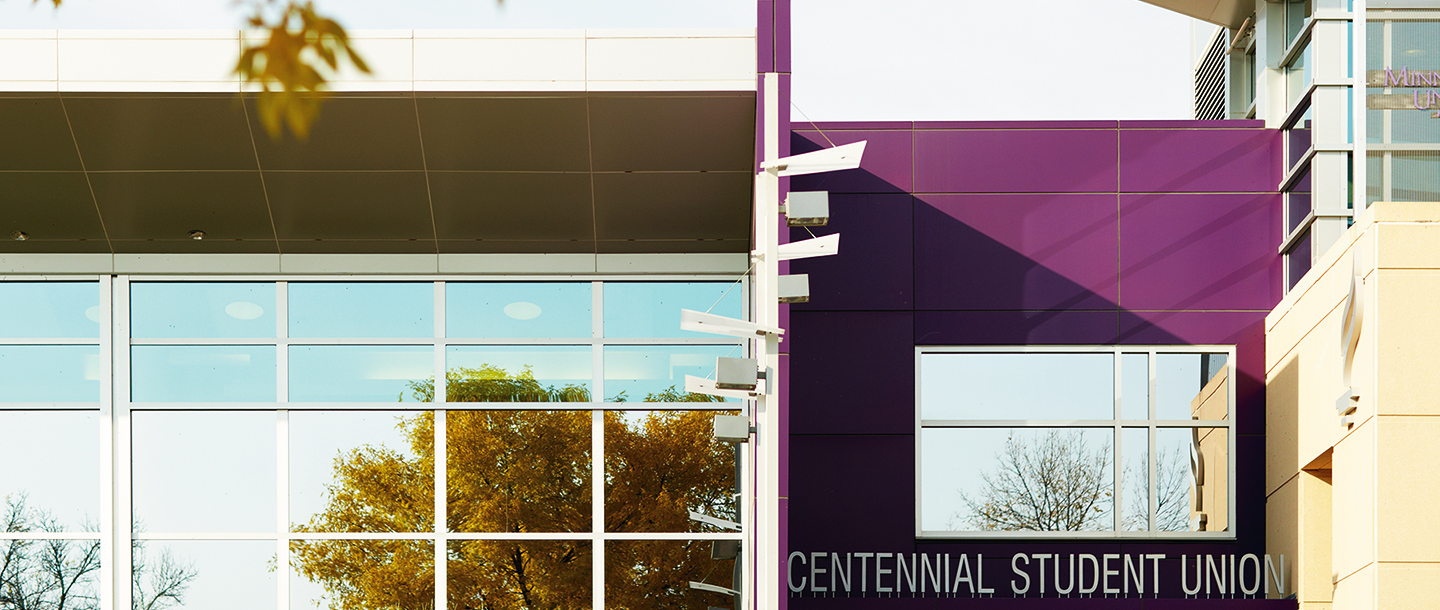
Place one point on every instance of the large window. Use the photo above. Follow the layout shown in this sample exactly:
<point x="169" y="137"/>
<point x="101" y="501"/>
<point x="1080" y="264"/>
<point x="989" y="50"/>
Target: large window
<point x="1075" y="442"/>
<point x="334" y="443"/>
<point x="1402" y="62"/>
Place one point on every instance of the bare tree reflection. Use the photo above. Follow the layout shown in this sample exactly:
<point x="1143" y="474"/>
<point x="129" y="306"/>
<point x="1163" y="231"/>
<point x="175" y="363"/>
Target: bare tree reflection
<point x="1171" y="492"/>
<point x="1053" y="482"/>
<point x="56" y="574"/>
<point x="521" y="471"/>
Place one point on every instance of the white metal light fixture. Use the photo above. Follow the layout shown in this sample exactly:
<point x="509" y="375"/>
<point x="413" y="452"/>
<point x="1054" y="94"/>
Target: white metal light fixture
<point x="736" y="373"/>
<point x="794" y="288"/>
<point x="720" y="325"/>
<point x="700" y="385"/>
<point x="712" y="588"/>
<point x="807" y="209"/>
<point x="715" y="521"/>
<point x="825" y="245"/>
<point x="732" y="429"/>
<point x="827" y="160"/>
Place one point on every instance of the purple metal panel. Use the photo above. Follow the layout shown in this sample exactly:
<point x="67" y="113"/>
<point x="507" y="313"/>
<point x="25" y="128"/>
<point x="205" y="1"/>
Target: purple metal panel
<point x="846" y="357"/>
<point x="874" y="269"/>
<point x="1016" y="327"/>
<point x="1198" y="160"/>
<point x="1015" y="251"/>
<point x="765" y="36"/>
<point x="1014" y="125"/>
<point x="842" y="481"/>
<point x="1199" y="251"/>
<point x="886" y="167"/>
<point x="782" y="36"/>
<point x="1193" y="124"/>
<point x="860" y="125"/>
<point x="783" y="403"/>
<point x="1004" y="161"/>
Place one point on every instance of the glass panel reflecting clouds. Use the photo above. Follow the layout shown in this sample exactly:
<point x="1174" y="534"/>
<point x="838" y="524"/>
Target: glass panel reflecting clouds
<point x="521" y="574"/>
<point x="656" y="373"/>
<point x="361" y="471"/>
<point x="1018" y="386"/>
<point x="360" y="373"/>
<point x="517" y="310"/>
<point x="636" y="309"/>
<point x="50" y="472"/>
<point x="1135" y="386"/>
<point x="202" y="373"/>
<point x="203" y="471"/>
<point x="346" y="574"/>
<point x="49" y="309"/>
<point x="518" y="471"/>
<point x="362" y="310"/>
<point x="539" y="373"/>
<point x="1179" y="379"/>
<point x="660" y="465"/>
<point x="192" y="310"/>
<point x="655" y="573"/>
<point x="1021" y="479"/>
<point x="204" y="574"/>
<point x="49" y="373"/>
<point x="32" y="578"/>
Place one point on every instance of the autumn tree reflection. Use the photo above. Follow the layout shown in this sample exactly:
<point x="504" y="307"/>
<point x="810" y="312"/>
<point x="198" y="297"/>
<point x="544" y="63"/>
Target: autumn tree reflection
<point x="524" y="471"/>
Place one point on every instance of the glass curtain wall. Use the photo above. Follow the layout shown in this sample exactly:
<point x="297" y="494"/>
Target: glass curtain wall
<point x="1402" y="63"/>
<point x="338" y="444"/>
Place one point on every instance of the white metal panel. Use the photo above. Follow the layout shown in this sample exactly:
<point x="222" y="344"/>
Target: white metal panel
<point x="358" y="263"/>
<point x="145" y="64"/>
<point x="670" y="59"/>
<point x="28" y="59"/>
<point x="500" y="59"/>
<point x="671" y="263"/>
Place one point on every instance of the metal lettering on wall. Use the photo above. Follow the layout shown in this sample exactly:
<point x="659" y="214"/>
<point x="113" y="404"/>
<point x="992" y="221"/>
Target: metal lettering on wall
<point x="1419" y="99"/>
<point x="1033" y="574"/>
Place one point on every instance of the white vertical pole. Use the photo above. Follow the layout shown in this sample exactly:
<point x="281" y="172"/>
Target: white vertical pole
<point x="108" y="536"/>
<point x="597" y="448"/>
<point x="767" y="313"/>
<point x="441" y="456"/>
<point x="121" y="530"/>
<point x="1361" y="155"/>
<point x="282" y="445"/>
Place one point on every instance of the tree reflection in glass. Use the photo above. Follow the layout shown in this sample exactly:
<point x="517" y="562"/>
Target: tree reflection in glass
<point x="519" y="471"/>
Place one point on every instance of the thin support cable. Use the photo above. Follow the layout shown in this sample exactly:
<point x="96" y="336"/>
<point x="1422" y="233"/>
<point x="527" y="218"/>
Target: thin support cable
<point x="812" y="123"/>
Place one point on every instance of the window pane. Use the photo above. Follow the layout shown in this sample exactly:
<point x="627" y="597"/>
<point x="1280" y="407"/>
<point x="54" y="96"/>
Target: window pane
<point x="660" y="465"/>
<point x="635" y="309"/>
<point x="360" y="373"/>
<point x="361" y="471"/>
<point x="656" y="373"/>
<point x="346" y="574"/>
<point x="49" y="309"/>
<point x="517" y="310"/>
<point x="1135" y="474"/>
<point x="1298" y="139"/>
<point x="1018" y="386"/>
<point x="31" y="578"/>
<point x="49" y="373"/>
<point x="1191" y="386"/>
<point x="1297" y="261"/>
<point x="205" y="574"/>
<point x="656" y="573"/>
<point x="203" y="471"/>
<point x="485" y="373"/>
<point x="1297" y="202"/>
<point x="518" y="471"/>
<point x="362" y="309"/>
<point x="202" y="310"/>
<point x="1135" y="386"/>
<point x="505" y="574"/>
<point x="202" y="373"/>
<point x="1018" y="479"/>
<point x="1416" y="176"/>
<point x="51" y="472"/>
<point x="1192" y="486"/>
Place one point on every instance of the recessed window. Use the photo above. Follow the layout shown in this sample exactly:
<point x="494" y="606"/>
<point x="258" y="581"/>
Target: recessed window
<point x="1075" y="442"/>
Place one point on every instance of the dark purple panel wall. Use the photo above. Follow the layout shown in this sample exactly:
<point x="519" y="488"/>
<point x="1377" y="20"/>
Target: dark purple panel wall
<point x="1017" y="233"/>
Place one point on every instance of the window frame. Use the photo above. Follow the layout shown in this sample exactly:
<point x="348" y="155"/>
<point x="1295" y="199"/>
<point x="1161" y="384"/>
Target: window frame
<point x="1117" y="424"/>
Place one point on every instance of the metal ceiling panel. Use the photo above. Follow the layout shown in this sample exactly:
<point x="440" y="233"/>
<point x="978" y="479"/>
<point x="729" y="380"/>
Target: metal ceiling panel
<point x="513" y="206"/>
<point x="673" y="206"/>
<point x="351" y="133"/>
<point x="505" y="134"/>
<point x="48" y="205"/>
<point x="36" y="135"/>
<point x="161" y="133"/>
<point x="350" y="205"/>
<point x="673" y="133"/>
<point x="168" y="205"/>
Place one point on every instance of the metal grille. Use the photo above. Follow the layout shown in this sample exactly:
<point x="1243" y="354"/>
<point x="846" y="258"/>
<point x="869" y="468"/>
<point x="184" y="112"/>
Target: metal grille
<point x="1210" y="79"/>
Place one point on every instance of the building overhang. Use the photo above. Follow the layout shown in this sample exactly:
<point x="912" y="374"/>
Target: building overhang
<point x="652" y="158"/>
<point x="1225" y="13"/>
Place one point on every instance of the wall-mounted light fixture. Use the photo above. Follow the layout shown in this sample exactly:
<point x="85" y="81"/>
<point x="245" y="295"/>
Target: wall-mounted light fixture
<point x="197" y="235"/>
<point x="794" y="288"/>
<point x="807" y="209"/>
<point x="19" y="236"/>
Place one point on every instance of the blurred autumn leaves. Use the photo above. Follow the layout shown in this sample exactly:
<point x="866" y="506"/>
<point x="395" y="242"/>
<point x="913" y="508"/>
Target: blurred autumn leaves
<point x="523" y="472"/>
<point x="301" y="48"/>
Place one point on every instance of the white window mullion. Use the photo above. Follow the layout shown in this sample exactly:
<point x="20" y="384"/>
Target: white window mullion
<point x="108" y="356"/>
<point x="1151" y="464"/>
<point x="119" y="492"/>
<point x="441" y="550"/>
<point x="282" y="508"/>
<point x="597" y="448"/>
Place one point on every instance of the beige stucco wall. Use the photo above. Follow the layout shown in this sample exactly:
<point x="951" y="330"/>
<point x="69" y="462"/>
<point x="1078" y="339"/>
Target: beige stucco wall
<point x="1354" y="504"/>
